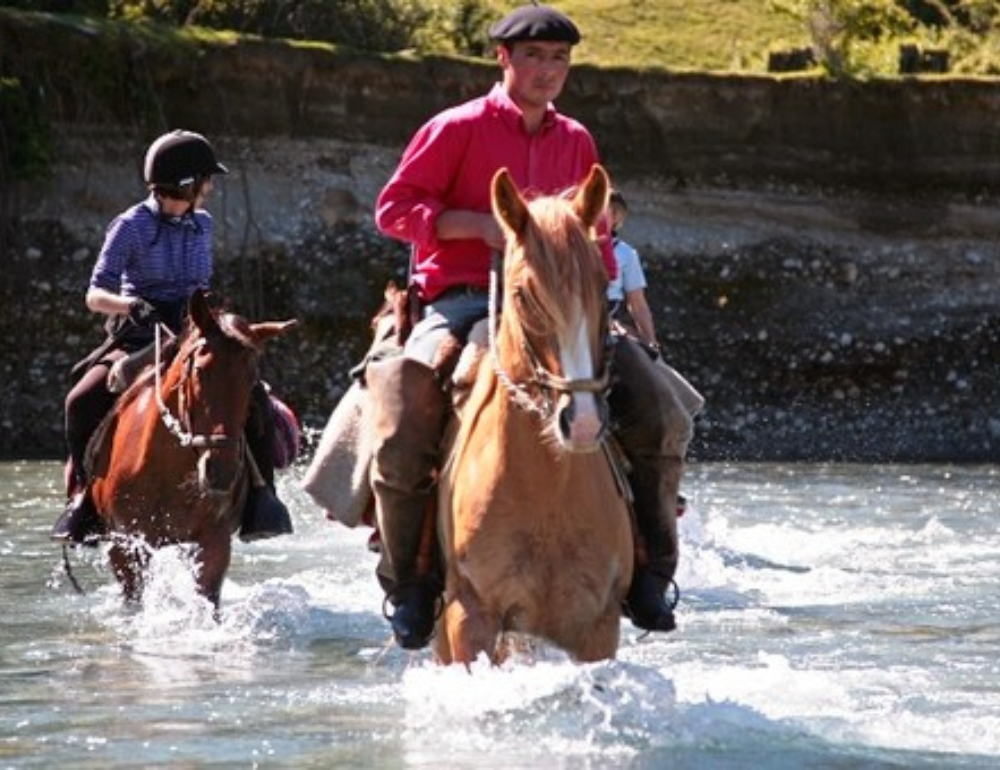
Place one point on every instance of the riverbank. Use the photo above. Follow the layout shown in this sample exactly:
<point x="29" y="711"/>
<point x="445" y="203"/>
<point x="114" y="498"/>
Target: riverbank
<point x="823" y="255"/>
<point x="819" y="324"/>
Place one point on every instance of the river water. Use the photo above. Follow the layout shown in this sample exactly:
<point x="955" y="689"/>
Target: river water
<point x="832" y="616"/>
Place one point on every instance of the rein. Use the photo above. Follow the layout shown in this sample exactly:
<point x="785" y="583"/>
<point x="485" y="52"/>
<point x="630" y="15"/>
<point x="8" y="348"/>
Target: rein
<point x="173" y="424"/>
<point x="541" y="376"/>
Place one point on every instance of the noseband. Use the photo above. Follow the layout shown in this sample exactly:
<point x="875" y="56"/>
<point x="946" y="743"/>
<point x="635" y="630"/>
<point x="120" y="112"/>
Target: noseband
<point x="180" y="428"/>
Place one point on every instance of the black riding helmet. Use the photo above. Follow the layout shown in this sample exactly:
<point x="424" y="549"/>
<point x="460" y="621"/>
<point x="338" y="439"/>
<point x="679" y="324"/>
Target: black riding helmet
<point x="178" y="161"/>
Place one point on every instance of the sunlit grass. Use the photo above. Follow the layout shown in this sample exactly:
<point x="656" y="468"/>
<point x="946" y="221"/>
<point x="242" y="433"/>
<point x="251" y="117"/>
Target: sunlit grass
<point x="718" y="35"/>
<point x="732" y="36"/>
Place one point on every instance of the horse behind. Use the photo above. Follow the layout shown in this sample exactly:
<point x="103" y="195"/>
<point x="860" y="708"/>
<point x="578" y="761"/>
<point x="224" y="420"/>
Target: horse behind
<point x="535" y="531"/>
<point x="173" y="466"/>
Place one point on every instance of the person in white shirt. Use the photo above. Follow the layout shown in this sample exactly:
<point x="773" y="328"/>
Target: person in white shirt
<point x="627" y="292"/>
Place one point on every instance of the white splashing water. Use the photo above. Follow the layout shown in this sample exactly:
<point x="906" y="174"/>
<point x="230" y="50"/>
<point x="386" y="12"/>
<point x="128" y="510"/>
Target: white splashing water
<point x="830" y="616"/>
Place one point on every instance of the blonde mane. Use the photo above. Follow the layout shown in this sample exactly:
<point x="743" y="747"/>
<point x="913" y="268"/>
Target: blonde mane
<point x="556" y="270"/>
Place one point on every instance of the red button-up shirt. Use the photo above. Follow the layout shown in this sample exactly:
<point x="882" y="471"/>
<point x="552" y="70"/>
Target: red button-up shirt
<point x="450" y="163"/>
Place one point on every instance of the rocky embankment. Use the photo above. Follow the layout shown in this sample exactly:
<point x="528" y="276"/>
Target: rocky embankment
<point x="818" y="325"/>
<point x="823" y="254"/>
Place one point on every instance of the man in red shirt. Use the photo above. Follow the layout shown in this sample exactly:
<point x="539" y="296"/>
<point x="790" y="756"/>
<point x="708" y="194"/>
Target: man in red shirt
<point x="438" y="200"/>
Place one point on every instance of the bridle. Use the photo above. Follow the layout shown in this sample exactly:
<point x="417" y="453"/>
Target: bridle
<point x="541" y="378"/>
<point x="180" y="427"/>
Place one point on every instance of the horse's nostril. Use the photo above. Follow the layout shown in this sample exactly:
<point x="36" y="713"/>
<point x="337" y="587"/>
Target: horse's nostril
<point x="566" y="414"/>
<point x="582" y="421"/>
<point x="216" y="472"/>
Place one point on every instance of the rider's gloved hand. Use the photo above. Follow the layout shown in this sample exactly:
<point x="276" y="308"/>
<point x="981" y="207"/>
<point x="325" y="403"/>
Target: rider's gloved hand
<point x="142" y="313"/>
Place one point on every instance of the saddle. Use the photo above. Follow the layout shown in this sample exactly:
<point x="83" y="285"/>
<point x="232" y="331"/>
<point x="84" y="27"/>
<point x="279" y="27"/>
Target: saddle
<point x="137" y="367"/>
<point x="338" y="477"/>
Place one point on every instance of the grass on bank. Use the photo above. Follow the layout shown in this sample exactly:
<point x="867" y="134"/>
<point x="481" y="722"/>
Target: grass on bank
<point x="713" y="35"/>
<point x="859" y="38"/>
<point x="736" y="36"/>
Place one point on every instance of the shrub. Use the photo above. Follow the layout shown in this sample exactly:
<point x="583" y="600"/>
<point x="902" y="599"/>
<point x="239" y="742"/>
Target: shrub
<point x="24" y="137"/>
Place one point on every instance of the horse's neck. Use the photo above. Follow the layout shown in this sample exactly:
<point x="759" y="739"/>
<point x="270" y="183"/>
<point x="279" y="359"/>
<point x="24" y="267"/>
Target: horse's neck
<point x="142" y="400"/>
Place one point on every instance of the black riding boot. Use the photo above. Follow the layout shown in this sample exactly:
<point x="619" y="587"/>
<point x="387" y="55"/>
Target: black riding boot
<point x="86" y="405"/>
<point x="653" y="428"/>
<point x="264" y="515"/>
<point x="655" y="492"/>
<point x="79" y="523"/>
<point x="409" y="408"/>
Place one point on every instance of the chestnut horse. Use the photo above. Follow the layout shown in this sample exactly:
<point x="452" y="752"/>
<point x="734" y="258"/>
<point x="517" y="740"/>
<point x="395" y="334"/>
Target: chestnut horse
<point x="535" y="531"/>
<point x="174" y="466"/>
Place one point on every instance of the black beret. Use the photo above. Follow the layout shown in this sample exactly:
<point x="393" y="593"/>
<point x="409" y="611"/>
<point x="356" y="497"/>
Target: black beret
<point x="535" y="22"/>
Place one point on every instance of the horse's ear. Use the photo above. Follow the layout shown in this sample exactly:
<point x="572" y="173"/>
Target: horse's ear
<point x="591" y="199"/>
<point x="201" y="312"/>
<point x="509" y="207"/>
<point x="266" y="330"/>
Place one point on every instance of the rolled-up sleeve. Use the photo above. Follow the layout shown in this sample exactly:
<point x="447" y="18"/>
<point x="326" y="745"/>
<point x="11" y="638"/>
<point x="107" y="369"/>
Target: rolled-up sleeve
<point x="110" y="266"/>
<point x="410" y="203"/>
<point x="404" y="212"/>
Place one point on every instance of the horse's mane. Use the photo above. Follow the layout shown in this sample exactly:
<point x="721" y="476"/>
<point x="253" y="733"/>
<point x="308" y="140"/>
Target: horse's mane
<point x="548" y="280"/>
<point x="231" y="325"/>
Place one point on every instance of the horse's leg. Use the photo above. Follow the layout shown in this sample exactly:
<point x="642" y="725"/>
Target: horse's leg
<point x="128" y="563"/>
<point x="600" y="642"/>
<point x="469" y="629"/>
<point x="215" y="554"/>
<point x="442" y="642"/>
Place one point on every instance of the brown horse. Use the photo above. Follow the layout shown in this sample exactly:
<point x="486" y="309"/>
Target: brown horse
<point x="535" y="531"/>
<point x="174" y="466"/>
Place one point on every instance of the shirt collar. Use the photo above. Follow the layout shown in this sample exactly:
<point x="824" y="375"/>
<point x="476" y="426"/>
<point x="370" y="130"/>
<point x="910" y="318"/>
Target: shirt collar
<point x="186" y="219"/>
<point x="500" y="100"/>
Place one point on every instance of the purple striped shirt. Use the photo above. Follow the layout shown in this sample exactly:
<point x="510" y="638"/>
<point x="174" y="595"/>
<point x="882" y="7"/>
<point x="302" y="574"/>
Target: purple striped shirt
<point x="155" y="257"/>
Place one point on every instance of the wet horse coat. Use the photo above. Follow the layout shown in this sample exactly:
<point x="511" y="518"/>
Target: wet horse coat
<point x="535" y="531"/>
<point x="175" y="467"/>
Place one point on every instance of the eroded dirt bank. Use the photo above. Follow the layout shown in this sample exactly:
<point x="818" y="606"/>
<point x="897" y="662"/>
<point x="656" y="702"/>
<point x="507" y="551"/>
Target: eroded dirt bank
<point x="818" y="324"/>
<point x="823" y="255"/>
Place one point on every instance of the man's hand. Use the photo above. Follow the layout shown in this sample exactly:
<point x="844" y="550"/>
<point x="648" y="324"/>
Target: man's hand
<point x="142" y="313"/>
<point x="493" y="234"/>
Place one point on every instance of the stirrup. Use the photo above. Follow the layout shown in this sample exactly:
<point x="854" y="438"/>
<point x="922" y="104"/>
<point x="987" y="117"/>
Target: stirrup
<point x="79" y="523"/>
<point x="648" y="617"/>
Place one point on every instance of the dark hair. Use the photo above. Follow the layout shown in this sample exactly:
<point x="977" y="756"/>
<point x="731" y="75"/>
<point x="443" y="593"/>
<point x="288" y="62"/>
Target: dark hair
<point x="185" y="192"/>
<point x="617" y="199"/>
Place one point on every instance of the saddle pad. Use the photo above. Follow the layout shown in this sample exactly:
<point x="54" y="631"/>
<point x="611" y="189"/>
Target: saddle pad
<point x="287" y="434"/>
<point x="690" y="399"/>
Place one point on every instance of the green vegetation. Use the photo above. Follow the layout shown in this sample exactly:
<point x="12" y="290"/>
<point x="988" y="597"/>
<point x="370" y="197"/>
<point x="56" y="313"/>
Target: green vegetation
<point x="716" y="35"/>
<point x="24" y="139"/>
<point x="848" y="38"/>
<point x="858" y="38"/>
<point x="845" y="38"/>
